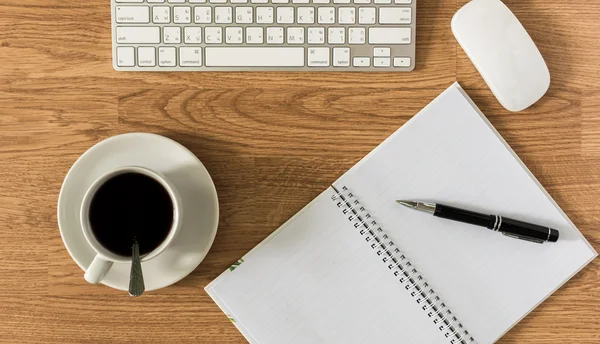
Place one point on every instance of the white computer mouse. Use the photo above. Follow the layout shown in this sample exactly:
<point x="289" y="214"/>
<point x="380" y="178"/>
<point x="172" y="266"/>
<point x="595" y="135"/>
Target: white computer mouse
<point x="503" y="53"/>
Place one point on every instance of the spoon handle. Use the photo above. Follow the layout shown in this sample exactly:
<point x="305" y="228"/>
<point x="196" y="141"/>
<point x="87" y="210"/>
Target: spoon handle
<point x="136" y="278"/>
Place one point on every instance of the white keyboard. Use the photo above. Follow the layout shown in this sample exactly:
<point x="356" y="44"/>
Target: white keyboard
<point x="246" y="35"/>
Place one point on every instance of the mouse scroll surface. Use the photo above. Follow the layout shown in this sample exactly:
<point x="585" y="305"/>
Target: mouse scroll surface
<point x="503" y="53"/>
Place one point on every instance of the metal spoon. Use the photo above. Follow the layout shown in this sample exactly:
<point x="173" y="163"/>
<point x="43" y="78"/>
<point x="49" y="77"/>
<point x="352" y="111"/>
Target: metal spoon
<point x="136" y="278"/>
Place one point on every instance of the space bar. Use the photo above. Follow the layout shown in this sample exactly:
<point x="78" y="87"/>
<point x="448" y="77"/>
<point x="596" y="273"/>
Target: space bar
<point x="254" y="57"/>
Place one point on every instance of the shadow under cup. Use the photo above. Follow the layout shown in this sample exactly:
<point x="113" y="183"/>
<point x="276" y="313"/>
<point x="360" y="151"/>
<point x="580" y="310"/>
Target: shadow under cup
<point x="126" y="205"/>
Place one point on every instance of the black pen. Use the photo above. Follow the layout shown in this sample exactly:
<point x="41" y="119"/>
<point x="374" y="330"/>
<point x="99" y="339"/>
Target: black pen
<point x="509" y="227"/>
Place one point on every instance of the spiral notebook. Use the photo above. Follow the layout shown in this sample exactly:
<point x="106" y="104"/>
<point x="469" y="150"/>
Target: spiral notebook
<point x="355" y="267"/>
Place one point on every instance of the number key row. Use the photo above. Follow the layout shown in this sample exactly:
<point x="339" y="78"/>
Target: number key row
<point x="399" y="2"/>
<point x="263" y="15"/>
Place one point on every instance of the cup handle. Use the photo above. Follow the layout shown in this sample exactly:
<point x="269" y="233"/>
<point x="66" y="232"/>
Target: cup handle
<point x="97" y="270"/>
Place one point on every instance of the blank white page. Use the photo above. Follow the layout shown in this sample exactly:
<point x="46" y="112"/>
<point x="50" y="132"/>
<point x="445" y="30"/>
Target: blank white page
<point x="449" y="153"/>
<point x="315" y="280"/>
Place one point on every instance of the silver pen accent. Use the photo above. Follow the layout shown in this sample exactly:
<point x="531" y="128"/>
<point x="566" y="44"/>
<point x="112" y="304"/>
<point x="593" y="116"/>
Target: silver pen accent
<point x="426" y="207"/>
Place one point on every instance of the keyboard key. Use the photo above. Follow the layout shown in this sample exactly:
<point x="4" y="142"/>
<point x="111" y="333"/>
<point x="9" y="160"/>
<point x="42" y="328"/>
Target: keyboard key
<point x="285" y="15"/>
<point x="341" y="1"/>
<point x="320" y="1"/>
<point x="395" y="15"/>
<point x="403" y="2"/>
<point x="151" y="1"/>
<point x="233" y="35"/>
<point x="295" y="35"/>
<point x="172" y="34"/>
<point x="259" y="1"/>
<point x="389" y="35"/>
<point x="318" y="57"/>
<point x="161" y="14"/>
<point x="167" y="57"/>
<point x="346" y="15"/>
<point x="223" y="15"/>
<point x="280" y="1"/>
<point x="264" y="15"/>
<point x="381" y="62"/>
<point x="383" y="1"/>
<point x="176" y="1"/>
<point x="195" y="1"/>
<point x="381" y="52"/>
<point x="316" y="35"/>
<point x="243" y="15"/>
<point x="146" y="56"/>
<point x="254" y="35"/>
<point x="361" y="62"/>
<point x="326" y="15"/>
<point x="129" y="1"/>
<point x="213" y="35"/>
<point x="218" y="1"/>
<point x="190" y="56"/>
<point x="203" y="15"/>
<point x="401" y="61"/>
<point x="138" y="34"/>
<point x="300" y="1"/>
<point x="356" y="35"/>
<point x="192" y="35"/>
<point x="341" y="57"/>
<point x="336" y="35"/>
<point x="362" y="1"/>
<point x="239" y="1"/>
<point x="132" y="14"/>
<point x="274" y="35"/>
<point x="366" y="15"/>
<point x="254" y="56"/>
<point x="306" y="15"/>
<point x="125" y="56"/>
<point x="182" y="15"/>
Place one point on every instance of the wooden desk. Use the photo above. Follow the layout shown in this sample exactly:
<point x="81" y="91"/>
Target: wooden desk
<point x="272" y="142"/>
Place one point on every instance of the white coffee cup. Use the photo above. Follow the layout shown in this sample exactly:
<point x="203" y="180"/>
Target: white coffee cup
<point x="104" y="258"/>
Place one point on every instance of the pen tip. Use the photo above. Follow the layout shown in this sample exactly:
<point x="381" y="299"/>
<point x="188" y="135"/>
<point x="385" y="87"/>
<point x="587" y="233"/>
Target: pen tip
<point x="409" y="204"/>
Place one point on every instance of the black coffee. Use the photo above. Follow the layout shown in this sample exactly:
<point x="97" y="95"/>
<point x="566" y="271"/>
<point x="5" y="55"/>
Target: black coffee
<point x="131" y="206"/>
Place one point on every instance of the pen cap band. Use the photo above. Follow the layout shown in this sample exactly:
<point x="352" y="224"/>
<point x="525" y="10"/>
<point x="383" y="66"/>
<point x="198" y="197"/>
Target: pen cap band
<point x="553" y="237"/>
<point x="528" y="230"/>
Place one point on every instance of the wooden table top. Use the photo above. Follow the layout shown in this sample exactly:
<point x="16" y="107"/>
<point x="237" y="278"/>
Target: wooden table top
<point x="272" y="142"/>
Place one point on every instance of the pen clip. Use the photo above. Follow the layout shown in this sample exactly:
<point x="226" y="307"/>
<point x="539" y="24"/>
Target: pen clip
<point x="537" y="241"/>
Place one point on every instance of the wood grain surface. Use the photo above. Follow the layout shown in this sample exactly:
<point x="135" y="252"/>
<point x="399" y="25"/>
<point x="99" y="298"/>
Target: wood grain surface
<point x="272" y="142"/>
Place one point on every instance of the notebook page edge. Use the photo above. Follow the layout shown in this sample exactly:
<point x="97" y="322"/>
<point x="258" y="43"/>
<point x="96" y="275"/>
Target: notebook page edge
<point x="522" y="164"/>
<point x="398" y="131"/>
<point x="227" y="312"/>
<point x="270" y="236"/>
<point x="593" y="252"/>
<point x="215" y="296"/>
<point x="545" y="298"/>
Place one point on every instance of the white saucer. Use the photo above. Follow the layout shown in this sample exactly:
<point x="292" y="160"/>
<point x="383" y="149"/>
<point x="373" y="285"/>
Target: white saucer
<point x="176" y="163"/>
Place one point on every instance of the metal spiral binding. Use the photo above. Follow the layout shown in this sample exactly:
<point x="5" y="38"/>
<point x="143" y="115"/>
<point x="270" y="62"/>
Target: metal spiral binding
<point x="401" y="267"/>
